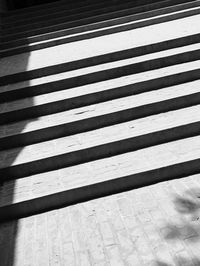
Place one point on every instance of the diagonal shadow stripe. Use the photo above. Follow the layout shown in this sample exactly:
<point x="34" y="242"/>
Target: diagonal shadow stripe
<point x="94" y="78"/>
<point x="64" y="105"/>
<point x="99" y="152"/>
<point x="114" y="18"/>
<point x="56" y="24"/>
<point x="98" y="190"/>
<point x="101" y="9"/>
<point x="97" y="122"/>
<point x="93" y="34"/>
<point x="101" y="59"/>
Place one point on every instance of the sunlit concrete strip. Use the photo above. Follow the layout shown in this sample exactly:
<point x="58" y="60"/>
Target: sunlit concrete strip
<point x="102" y="45"/>
<point x="90" y="232"/>
<point x="89" y="111"/>
<point x="89" y="35"/>
<point x="102" y="75"/>
<point x="84" y="27"/>
<point x="105" y="229"/>
<point x="8" y="117"/>
<point x="82" y="137"/>
<point x="100" y="136"/>
<point x="108" y="150"/>
<point x="133" y="167"/>
<point x="111" y="59"/>
<point x="52" y="100"/>
<point x="105" y="61"/>
<point x="73" y="115"/>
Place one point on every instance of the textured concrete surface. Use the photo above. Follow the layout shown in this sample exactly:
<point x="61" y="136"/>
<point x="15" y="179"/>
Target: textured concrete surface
<point x="76" y="114"/>
<point x="101" y="45"/>
<point x="156" y="225"/>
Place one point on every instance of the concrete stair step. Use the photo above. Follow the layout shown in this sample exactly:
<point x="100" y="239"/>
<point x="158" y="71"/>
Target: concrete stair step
<point x="114" y="132"/>
<point x="140" y="81"/>
<point x="64" y="17"/>
<point x="36" y="10"/>
<point x="96" y="33"/>
<point x="39" y="131"/>
<point x="61" y="13"/>
<point x="41" y="15"/>
<point x="59" y="106"/>
<point x="114" y="19"/>
<point x="39" y="12"/>
<point x="101" y="59"/>
<point x="57" y="161"/>
<point x="54" y="190"/>
<point x="100" y="46"/>
<point x="70" y="99"/>
<point x="56" y="24"/>
<point x="67" y="104"/>
<point x="11" y="139"/>
<point x="105" y="72"/>
<point x="128" y="120"/>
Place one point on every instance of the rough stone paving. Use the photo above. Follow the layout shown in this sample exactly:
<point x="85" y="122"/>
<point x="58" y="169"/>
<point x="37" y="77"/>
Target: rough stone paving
<point x="86" y="96"/>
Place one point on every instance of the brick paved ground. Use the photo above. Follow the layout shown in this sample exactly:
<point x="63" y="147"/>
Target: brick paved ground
<point x="157" y="225"/>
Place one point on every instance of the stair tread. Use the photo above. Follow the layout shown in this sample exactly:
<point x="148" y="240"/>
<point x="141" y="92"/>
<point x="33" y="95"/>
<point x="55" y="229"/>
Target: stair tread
<point x="102" y="170"/>
<point x="24" y="12"/>
<point x="95" y="110"/>
<point x="98" y="46"/>
<point x="52" y="73"/>
<point x="56" y="15"/>
<point x="72" y="30"/>
<point x="99" y="146"/>
<point x="90" y="13"/>
<point x="64" y="94"/>
<point x="60" y="118"/>
<point x="41" y="40"/>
